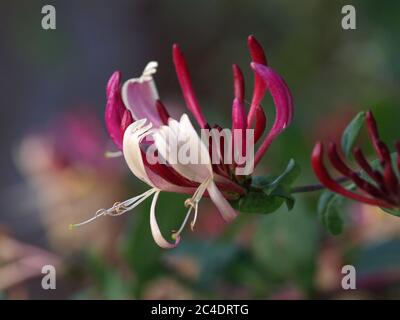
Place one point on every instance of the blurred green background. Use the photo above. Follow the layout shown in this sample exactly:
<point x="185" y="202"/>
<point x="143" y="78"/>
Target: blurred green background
<point x="53" y="138"/>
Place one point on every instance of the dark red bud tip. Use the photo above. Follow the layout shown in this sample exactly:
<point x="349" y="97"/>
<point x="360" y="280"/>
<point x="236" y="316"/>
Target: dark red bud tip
<point x="238" y="82"/>
<point x="317" y="152"/>
<point x="337" y="162"/>
<point x="256" y="50"/>
<point x="390" y="178"/>
<point x="363" y="163"/>
<point x="371" y="126"/>
<point x="384" y="151"/>
<point x="182" y="73"/>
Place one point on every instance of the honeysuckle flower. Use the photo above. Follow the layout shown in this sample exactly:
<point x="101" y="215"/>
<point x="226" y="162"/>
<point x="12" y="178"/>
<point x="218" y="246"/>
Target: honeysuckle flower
<point x="137" y="122"/>
<point x="381" y="189"/>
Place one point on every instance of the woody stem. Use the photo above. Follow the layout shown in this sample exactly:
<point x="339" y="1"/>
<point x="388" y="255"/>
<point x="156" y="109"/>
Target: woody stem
<point x="315" y="187"/>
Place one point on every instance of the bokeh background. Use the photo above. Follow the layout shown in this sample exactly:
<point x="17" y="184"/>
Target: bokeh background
<point x="53" y="172"/>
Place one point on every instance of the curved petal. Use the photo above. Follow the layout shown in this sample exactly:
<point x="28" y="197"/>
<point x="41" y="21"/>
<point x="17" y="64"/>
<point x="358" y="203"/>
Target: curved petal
<point x="171" y="139"/>
<point x="135" y="158"/>
<point x="132" y="151"/>
<point x="226" y="210"/>
<point x="115" y="111"/>
<point x="155" y="230"/>
<point x="165" y="185"/>
<point x="283" y="105"/>
<point x="140" y="96"/>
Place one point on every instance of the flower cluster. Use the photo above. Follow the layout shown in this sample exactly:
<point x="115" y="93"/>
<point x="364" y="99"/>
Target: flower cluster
<point x="381" y="188"/>
<point x="137" y="120"/>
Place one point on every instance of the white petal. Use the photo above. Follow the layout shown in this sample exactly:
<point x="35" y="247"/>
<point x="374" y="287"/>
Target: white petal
<point x="132" y="151"/>
<point x="133" y="157"/>
<point x="226" y="210"/>
<point x="155" y="230"/>
<point x="170" y="139"/>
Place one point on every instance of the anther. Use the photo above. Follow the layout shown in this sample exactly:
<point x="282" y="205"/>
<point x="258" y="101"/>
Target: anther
<point x="189" y="203"/>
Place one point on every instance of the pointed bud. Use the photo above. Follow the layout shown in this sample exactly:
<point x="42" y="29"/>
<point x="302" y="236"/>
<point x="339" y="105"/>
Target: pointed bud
<point x="256" y="50"/>
<point x="260" y="87"/>
<point x="182" y="73"/>
<point x="238" y="82"/>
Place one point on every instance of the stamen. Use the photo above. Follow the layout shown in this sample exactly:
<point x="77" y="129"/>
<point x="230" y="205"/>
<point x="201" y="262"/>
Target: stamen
<point x="98" y="214"/>
<point x="192" y="203"/>
<point x="175" y="234"/>
<point x="189" y="203"/>
<point x="118" y="208"/>
<point x="192" y="224"/>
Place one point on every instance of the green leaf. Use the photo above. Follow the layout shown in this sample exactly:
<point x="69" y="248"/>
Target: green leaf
<point x="268" y="193"/>
<point x="259" y="202"/>
<point x="262" y="182"/>
<point x="285" y="194"/>
<point x="286" y="178"/>
<point x="328" y="212"/>
<point x="281" y="185"/>
<point x="351" y="132"/>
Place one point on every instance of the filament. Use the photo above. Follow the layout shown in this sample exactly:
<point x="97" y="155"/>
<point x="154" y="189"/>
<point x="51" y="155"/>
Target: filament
<point x="192" y="203"/>
<point x="118" y="208"/>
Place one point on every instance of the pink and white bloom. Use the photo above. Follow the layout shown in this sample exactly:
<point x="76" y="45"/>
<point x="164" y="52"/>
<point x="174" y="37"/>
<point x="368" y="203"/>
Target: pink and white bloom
<point x="137" y="120"/>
